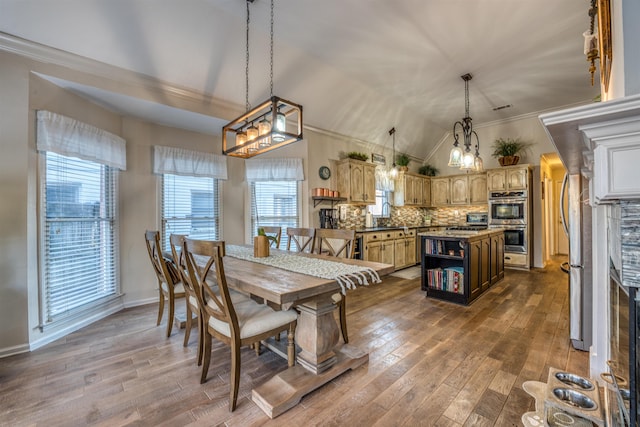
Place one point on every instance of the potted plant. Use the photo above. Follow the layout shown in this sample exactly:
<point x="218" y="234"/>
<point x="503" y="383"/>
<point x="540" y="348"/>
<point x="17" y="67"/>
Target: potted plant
<point x="402" y="160"/>
<point x="428" y="170"/>
<point x="261" y="244"/>
<point x="358" y="156"/>
<point x="507" y="150"/>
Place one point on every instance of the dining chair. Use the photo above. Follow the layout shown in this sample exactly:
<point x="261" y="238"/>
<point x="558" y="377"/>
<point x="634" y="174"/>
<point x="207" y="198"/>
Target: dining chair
<point x="170" y="285"/>
<point x="235" y="324"/>
<point x="274" y="231"/>
<point x="302" y="238"/>
<point x="338" y="243"/>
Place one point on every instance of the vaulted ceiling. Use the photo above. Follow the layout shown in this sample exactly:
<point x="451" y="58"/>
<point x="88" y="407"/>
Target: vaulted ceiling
<point x="359" y="67"/>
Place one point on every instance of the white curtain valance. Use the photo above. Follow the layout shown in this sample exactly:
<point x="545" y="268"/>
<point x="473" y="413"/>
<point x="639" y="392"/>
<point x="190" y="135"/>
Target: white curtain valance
<point x="178" y="161"/>
<point x="274" y="170"/>
<point x="384" y="182"/>
<point x="69" y="137"/>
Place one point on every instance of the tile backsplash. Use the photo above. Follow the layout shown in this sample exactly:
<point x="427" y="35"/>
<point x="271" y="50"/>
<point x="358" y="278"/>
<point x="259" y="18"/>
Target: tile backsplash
<point x="411" y="216"/>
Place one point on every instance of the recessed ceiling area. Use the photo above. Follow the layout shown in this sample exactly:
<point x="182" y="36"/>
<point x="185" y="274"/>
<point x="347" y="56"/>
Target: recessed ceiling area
<point x="358" y="68"/>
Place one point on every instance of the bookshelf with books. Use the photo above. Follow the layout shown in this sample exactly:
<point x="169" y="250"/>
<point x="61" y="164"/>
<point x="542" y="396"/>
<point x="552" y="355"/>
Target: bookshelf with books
<point x="457" y="266"/>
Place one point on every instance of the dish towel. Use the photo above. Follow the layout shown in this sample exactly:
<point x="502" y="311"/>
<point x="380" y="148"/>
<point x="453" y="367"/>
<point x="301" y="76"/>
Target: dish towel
<point x="348" y="276"/>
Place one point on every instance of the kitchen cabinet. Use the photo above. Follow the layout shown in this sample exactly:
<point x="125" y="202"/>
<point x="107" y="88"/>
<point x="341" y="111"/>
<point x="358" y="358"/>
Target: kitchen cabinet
<point x="508" y="178"/>
<point x="460" y="269"/>
<point x="357" y="181"/>
<point x="380" y="247"/>
<point x="440" y="191"/>
<point x="412" y="190"/>
<point x="397" y="247"/>
<point x="459" y="190"/>
<point x="405" y="249"/>
<point x="478" y="189"/>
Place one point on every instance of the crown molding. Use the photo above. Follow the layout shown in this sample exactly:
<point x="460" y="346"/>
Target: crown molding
<point x="120" y="76"/>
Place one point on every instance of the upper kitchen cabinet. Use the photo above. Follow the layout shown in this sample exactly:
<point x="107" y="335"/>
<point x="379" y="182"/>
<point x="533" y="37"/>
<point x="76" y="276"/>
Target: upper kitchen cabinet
<point x="412" y="190"/>
<point x="357" y="181"/>
<point x="440" y="191"/>
<point x="478" y="189"/>
<point x="459" y="190"/>
<point x="508" y="178"/>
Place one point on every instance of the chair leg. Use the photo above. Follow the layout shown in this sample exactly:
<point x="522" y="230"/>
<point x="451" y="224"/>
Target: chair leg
<point x="187" y="332"/>
<point x="172" y="309"/>
<point x="200" y="340"/>
<point x="291" y="347"/>
<point x="343" y="318"/>
<point x="235" y="376"/>
<point x="256" y="346"/>
<point x="160" y="307"/>
<point x="206" y="353"/>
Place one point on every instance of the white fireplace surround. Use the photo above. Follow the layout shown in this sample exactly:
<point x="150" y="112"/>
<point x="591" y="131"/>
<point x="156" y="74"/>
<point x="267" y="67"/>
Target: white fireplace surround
<point x="601" y="141"/>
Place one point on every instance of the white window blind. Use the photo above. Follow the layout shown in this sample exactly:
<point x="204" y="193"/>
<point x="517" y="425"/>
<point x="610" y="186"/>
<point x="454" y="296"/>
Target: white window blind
<point x="274" y="203"/>
<point x="79" y="206"/>
<point x="190" y="206"/>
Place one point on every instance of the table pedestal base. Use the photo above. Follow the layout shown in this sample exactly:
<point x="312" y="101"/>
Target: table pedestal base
<point x="284" y="391"/>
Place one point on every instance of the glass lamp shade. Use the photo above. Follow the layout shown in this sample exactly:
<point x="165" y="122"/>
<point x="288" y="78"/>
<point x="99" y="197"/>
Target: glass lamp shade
<point x="478" y="164"/>
<point x="467" y="162"/>
<point x="279" y="126"/>
<point x="241" y="138"/>
<point x="252" y="132"/>
<point x="455" y="157"/>
<point x="393" y="173"/>
<point x="264" y="127"/>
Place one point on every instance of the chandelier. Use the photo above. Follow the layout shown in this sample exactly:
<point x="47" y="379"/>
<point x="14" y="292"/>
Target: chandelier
<point x="270" y="125"/>
<point x="458" y="158"/>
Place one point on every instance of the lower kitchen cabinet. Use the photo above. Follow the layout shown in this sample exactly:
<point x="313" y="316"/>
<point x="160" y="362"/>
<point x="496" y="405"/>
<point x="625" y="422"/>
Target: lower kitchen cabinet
<point x="460" y="269"/>
<point x="397" y="247"/>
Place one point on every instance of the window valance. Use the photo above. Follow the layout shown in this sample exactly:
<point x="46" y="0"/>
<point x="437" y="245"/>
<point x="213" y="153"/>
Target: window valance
<point x="179" y="161"/>
<point x="274" y="170"/>
<point x="69" y="137"/>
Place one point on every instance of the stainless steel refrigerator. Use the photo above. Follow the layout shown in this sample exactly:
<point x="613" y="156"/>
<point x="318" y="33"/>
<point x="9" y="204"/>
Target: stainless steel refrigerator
<point x="576" y="219"/>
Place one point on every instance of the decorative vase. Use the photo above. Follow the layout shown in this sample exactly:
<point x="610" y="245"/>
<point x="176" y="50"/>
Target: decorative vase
<point x="508" y="160"/>
<point x="403" y="168"/>
<point x="260" y="246"/>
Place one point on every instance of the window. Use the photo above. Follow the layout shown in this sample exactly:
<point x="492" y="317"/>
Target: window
<point x="382" y="208"/>
<point x="274" y="203"/>
<point x="78" y="213"/>
<point x="190" y="206"/>
<point x="79" y="206"/>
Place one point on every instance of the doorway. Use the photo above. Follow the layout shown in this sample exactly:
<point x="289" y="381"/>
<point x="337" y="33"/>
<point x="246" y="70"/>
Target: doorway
<point x="555" y="241"/>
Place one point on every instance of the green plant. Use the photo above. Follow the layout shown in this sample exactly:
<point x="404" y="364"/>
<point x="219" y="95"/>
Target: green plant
<point x="402" y="159"/>
<point x="428" y="170"/>
<point x="270" y="238"/>
<point x="358" y="156"/>
<point x="509" y="147"/>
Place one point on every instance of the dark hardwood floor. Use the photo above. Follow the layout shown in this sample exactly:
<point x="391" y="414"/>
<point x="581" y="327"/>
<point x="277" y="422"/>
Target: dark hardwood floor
<point x="431" y="363"/>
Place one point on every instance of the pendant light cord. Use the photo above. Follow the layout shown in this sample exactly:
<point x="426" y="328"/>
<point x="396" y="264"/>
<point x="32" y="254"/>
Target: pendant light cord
<point x="246" y="100"/>
<point x="271" y="55"/>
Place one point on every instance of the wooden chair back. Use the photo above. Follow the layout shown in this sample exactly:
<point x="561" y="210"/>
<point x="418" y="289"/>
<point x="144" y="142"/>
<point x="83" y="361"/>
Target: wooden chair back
<point x="335" y="242"/>
<point x="213" y="304"/>
<point x="302" y="238"/>
<point x="160" y="265"/>
<point x="274" y="231"/>
<point x="177" y="243"/>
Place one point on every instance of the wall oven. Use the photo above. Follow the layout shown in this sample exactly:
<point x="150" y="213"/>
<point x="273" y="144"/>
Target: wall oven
<point x="508" y="207"/>
<point x="515" y="239"/>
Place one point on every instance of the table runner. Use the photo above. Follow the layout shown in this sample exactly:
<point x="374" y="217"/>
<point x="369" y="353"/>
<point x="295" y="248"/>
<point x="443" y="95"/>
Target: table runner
<point x="348" y="276"/>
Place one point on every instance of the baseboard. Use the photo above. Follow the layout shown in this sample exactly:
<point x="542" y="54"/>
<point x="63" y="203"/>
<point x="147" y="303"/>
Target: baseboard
<point x="16" y="349"/>
<point x="129" y="304"/>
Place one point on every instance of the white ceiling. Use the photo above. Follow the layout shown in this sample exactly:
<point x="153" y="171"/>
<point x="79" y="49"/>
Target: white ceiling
<point x="359" y="67"/>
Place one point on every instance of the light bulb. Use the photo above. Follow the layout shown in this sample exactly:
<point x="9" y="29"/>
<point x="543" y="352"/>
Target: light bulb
<point x="467" y="161"/>
<point x="252" y="132"/>
<point x="241" y="138"/>
<point x="455" y="157"/>
<point x="264" y="127"/>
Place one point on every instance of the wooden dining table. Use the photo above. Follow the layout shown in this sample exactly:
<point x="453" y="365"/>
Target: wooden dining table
<point x="320" y="358"/>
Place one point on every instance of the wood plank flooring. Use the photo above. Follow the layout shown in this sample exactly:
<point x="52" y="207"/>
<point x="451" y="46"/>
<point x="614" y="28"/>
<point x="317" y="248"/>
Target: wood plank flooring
<point x="431" y="363"/>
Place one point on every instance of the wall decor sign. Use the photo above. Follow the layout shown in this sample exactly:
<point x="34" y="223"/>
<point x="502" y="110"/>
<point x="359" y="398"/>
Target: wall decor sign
<point x="378" y="159"/>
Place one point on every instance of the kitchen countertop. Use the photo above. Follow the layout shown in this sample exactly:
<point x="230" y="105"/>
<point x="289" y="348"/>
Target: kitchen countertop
<point x="374" y="229"/>
<point x="462" y="234"/>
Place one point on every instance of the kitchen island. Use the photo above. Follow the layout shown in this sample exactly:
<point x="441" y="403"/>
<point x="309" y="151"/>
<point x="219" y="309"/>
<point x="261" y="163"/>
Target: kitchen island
<point x="459" y="265"/>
